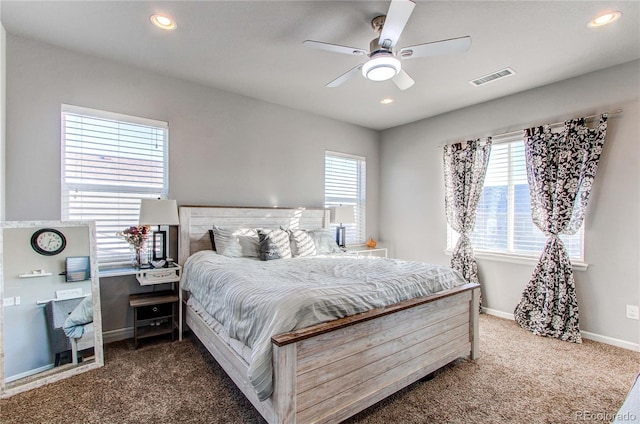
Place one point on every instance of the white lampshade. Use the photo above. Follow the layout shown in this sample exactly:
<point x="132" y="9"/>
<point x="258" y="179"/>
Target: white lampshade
<point x="158" y="212"/>
<point x="343" y="215"/>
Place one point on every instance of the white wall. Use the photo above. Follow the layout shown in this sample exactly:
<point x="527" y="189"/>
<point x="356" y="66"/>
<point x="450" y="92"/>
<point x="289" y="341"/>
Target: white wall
<point x="412" y="215"/>
<point x="225" y="149"/>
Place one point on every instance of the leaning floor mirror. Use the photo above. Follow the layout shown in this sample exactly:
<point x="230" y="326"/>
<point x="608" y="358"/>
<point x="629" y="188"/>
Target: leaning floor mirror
<point x="50" y="319"/>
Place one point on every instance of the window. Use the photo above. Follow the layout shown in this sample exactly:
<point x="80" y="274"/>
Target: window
<point x="503" y="220"/>
<point x="110" y="162"/>
<point x="345" y="184"/>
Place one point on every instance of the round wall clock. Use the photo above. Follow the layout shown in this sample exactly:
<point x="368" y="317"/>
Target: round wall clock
<point x="48" y="241"/>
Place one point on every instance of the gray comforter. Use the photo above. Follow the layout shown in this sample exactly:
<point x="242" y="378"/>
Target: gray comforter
<point x="255" y="300"/>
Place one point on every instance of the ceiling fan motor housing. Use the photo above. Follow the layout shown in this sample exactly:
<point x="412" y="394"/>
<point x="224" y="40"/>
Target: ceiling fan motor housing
<point x="375" y="47"/>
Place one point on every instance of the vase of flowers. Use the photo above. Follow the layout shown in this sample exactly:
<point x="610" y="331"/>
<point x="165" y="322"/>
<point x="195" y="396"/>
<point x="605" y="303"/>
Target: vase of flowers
<point x="137" y="237"/>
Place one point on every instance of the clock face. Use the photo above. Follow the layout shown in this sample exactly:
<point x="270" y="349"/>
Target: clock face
<point x="48" y="241"/>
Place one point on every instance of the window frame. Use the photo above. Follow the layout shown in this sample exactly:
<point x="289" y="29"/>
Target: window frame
<point x="359" y="203"/>
<point x="117" y="253"/>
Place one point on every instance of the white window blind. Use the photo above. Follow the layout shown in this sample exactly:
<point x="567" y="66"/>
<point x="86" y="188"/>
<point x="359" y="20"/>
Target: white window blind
<point x="503" y="220"/>
<point x="109" y="162"/>
<point x="345" y="184"/>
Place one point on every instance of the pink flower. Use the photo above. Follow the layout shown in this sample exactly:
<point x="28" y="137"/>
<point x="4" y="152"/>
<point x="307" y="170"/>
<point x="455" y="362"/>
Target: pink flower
<point x="135" y="236"/>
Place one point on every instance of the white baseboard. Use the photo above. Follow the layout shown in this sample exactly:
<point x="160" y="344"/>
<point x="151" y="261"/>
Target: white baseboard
<point x="585" y="334"/>
<point x="117" y="335"/>
<point x="610" y="340"/>
<point x="107" y="337"/>
<point x="28" y="373"/>
<point x="497" y="313"/>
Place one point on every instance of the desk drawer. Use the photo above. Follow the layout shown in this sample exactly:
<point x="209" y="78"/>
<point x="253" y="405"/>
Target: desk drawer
<point x="155" y="311"/>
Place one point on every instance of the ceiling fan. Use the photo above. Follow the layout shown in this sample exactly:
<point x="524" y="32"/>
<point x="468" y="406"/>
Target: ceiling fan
<point x="383" y="64"/>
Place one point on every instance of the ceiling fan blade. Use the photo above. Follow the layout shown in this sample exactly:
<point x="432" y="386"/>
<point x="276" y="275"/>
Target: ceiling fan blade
<point x="403" y="80"/>
<point x="397" y="17"/>
<point x="344" y="77"/>
<point x="436" y="48"/>
<point x="334" y="48"/>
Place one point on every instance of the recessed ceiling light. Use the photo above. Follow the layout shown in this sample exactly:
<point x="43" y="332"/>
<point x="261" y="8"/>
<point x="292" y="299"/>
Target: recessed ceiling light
<point x="386" y="101"/>
<point x="162" y="21"/>
<point x="604" y="19"/>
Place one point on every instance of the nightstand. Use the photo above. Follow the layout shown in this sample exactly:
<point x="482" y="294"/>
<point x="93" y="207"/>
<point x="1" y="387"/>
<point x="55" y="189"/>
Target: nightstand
<point x="154" y="314"/>
<point x="363" y="250"/>
<point x="157" y="313"/>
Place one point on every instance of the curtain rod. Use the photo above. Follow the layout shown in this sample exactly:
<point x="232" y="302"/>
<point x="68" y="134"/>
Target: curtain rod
<point x="555" y="124"/>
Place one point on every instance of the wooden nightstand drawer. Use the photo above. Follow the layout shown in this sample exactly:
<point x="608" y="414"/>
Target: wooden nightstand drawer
<point x="159" y="275"/>
<point x="155" y="311"/>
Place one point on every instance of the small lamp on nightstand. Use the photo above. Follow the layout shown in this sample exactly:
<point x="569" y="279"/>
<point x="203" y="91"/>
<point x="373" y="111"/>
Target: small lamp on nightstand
<point x="342" y="215"/>
<point x="159" y="212"/>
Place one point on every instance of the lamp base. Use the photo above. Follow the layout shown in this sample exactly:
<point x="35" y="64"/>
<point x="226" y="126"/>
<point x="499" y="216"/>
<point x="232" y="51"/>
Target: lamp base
<point x="159" y="245"/>
<point x="341" y="239"/>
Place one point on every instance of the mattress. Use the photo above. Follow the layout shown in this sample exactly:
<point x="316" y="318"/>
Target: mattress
<point x="254" y="300"/>
<point x="238" y="347"/>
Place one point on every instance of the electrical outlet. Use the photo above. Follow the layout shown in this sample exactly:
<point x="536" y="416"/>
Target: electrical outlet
<point x="8" y="301"/>
<point x="633" y="312"/>
<point x="17" y="302"/>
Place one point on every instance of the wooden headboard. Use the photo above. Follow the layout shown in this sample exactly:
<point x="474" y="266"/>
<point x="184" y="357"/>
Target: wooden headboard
<point x="196" y="221"/>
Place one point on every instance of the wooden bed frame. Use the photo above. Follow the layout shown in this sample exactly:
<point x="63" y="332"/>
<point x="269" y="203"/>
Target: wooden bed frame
<point x="331" y="371"/>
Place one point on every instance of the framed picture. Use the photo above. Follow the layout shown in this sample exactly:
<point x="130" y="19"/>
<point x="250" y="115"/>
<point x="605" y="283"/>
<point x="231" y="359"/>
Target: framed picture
<point x="159" y="251"/>
<point x="78" y="268"/>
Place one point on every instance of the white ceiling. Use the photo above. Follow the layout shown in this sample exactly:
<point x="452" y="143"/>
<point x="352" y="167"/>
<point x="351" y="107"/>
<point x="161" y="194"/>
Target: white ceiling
<point x="254" y="48"/>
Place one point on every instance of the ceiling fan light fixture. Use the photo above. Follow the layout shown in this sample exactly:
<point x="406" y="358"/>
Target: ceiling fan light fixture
<point x="382" y="67"/>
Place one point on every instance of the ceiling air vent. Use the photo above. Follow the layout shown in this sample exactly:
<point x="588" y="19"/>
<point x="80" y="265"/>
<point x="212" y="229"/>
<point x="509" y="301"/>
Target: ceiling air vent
<point x="492" y="77"/>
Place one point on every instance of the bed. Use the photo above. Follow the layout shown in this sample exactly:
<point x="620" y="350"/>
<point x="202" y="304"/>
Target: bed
<point x="329" y="371"/>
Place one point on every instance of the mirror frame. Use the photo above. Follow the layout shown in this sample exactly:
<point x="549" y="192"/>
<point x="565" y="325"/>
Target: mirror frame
<point x="50" y="376"/>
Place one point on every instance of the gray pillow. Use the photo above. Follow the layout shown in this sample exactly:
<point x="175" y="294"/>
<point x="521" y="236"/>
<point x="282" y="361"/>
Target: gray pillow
<point x="274" y="244"/>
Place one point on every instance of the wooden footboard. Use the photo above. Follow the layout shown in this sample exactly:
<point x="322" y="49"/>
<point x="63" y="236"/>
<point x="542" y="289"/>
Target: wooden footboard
<point x="331" y="371"/>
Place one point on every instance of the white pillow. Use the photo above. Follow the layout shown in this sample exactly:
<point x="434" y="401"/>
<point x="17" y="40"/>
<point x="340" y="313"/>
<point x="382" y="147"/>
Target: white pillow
<point x="325" y="243"/>
<point x="302" y="243"/>
<point x="237" y="243"/>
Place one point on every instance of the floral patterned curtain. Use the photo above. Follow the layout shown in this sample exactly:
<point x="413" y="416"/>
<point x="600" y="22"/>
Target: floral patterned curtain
<point x="465" y="166"/>
<point x="561" y="168"/>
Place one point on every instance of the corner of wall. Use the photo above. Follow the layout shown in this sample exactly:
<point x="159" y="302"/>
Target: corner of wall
<point x="3" y="78"/>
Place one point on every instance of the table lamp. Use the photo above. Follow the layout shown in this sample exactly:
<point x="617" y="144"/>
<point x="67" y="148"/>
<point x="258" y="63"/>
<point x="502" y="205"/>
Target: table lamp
<point x="342" y="215"/>
<point x="159" y="212"/>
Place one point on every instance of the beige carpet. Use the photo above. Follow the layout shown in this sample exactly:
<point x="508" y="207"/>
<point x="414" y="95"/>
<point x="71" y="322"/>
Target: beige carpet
<point x="520" y="378"/>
